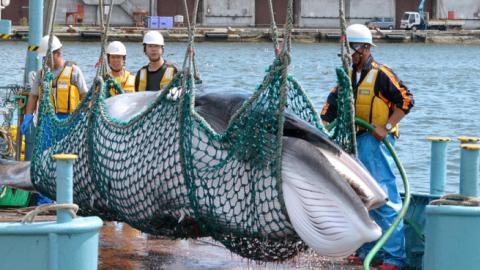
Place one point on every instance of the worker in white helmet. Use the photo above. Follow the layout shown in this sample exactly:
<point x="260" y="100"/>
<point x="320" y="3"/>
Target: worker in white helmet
<point x="382" y="100"/>
<point x="116" y="57"/>
<point x="68" y="85"/>
<point x="158" y="73"/>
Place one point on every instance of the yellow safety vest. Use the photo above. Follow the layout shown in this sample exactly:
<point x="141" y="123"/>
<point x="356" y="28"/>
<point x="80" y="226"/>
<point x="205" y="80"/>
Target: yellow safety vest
<point x="370" y="107"/>
<point x="167" y="77"/>
<point x="127" y="82"/>
<point x="65" y="96"/>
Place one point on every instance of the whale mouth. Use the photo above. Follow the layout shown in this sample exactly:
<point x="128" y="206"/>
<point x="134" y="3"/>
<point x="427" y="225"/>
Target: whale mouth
<point x="365" y="186"/>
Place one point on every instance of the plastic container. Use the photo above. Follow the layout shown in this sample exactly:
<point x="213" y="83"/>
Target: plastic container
<point x="14" y="197"/>
<point x="165" y="22"/>
<point x="6" y="27"/>
<point x="451" y="15"/>
<point x="152" y="22"/>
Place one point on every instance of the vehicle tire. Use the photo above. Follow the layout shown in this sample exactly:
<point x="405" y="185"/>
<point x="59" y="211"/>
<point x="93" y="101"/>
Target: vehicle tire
<point x="414" y="28"/>
<point x="390" y="27"/>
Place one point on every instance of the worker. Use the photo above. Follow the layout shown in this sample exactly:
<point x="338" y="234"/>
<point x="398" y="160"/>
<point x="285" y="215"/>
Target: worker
<point x="116" y="57"/>
<point x="68" y="85"/>
<point x="158" y="73"/>
<point x="382" y="100"/>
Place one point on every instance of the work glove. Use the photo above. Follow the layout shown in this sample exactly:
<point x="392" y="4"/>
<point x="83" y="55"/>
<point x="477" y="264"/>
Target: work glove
<point x="27" y="120"/>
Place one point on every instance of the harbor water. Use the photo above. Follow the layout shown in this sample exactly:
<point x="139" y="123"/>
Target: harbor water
<point x="443" y="78"/>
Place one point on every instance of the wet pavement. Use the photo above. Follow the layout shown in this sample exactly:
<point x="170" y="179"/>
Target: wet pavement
<point x="125" y="248"/>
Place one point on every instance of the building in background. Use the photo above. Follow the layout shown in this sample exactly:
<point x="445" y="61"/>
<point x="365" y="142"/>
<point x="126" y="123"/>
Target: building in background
<point x="250" y="13"/>
<point x="467" y="10"/>
<point x="17" y="12"/>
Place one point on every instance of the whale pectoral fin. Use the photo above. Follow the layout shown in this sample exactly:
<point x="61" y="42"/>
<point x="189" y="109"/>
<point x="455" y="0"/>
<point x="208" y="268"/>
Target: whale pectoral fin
<point x="324" y="210"/>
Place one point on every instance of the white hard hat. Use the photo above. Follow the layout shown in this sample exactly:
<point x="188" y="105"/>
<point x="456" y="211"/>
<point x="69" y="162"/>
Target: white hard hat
<point x="116" y="48"/>
<point x="359" y="33"/>
<point x="56" y="44"/>
<point x="153" y="37"/>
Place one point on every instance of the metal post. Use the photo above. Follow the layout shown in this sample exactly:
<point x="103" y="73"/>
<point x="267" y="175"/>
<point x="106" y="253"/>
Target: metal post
<point x="438" y="165"/>
<point x="33" y="63"/>
<point x="467" y="139"/>
<point x="35" y="31"/>
<point x="64" y="184"/>
<point x="469" y="167"/>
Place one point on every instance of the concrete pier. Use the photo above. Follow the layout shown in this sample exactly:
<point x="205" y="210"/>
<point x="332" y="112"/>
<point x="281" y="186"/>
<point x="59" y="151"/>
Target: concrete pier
<point x="229" y="34"/>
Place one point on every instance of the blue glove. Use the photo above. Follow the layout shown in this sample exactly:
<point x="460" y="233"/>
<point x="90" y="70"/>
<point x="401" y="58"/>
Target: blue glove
<point x="27" y="120"/>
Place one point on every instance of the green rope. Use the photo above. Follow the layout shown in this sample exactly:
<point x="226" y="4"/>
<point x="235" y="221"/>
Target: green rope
<point x="113" y="84"/>
<point x="345" y="136"/>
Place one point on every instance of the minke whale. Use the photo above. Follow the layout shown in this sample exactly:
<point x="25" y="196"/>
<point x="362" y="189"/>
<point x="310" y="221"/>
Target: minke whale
<point x="327" y="192"/>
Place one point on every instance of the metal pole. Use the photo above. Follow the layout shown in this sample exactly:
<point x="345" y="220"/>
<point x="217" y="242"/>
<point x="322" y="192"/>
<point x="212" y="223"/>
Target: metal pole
<point x="64" y="184"/>
<point x="438" y="165"/>
<point x="35" y="32"/>
<point x="469" y="167"/>
<point x="33" y="63"/>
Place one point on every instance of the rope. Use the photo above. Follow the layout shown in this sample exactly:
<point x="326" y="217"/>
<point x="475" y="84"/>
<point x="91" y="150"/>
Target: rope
<point x="30" y="217"/>
<point x="100" y="6"/>
<point x="102" y="67"/>
<point x="196" y="73"/>
<point x="49" y="54"/>
<point x="345" y="49"/>
<point x="273" y="28"/>
<point x="187" y="63"/>
<point x="347" y="91"/>
<point x="288" y="27"/>
<point x="457" y="199"/>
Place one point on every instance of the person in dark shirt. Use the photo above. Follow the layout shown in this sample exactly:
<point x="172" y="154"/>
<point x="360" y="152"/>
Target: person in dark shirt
<point x="158" y="73"/>
<point x="382" y="100"/>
